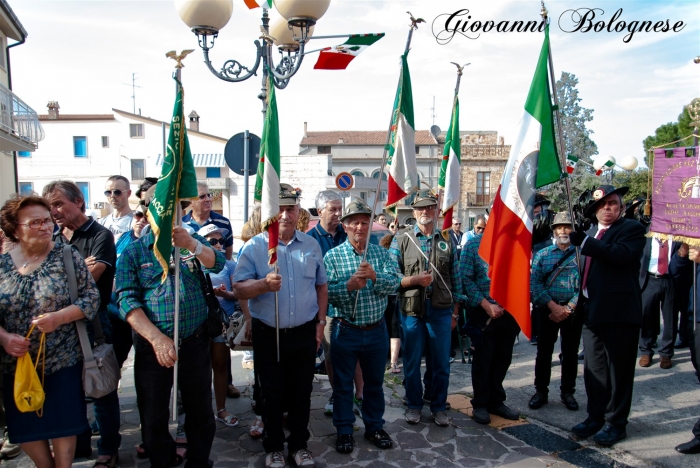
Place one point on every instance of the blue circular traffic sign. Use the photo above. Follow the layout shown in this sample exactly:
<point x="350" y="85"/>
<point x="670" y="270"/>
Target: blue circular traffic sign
<point x="344" y="181"/>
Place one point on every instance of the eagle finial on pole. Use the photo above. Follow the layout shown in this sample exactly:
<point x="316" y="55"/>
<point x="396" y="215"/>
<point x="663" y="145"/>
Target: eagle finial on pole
<point x="415" y="21"/>
<point x="178" y="58"/>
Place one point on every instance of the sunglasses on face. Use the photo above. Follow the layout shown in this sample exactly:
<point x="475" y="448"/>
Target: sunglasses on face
<point x="204" y="196"/>
<point x="117" y="193"/>
<point x="479" y="228"/>
<point x="214" y="241"/>
<point x="138" y="215"/>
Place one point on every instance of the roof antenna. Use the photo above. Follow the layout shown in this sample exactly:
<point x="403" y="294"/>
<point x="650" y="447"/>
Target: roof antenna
<point x="133" y="90"/>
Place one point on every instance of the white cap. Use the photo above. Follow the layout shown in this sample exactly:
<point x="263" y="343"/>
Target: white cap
<point x="210" y="229"/>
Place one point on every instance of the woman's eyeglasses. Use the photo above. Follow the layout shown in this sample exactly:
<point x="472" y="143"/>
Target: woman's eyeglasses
<point x="204" y="196"/>
<point x="38" y="223"/>
<point x="214" y="241"/>
<point x="117" y="193"/>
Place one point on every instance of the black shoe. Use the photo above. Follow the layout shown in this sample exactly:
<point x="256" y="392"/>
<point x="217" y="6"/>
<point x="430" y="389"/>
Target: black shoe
<point x="689" y="447"/>
<point x="506" y="413"/>
<point x="569" y="401"/>
<point x="344" y="443"/>
<point x="538" y="400"/>
<point x="609" y="435"/>
<point x="680" y="344"/>
<point x="481" y="416"/>
<point x="379" y="438"/>
<point x="587" y="428"/>
<point x="533" y="341"/>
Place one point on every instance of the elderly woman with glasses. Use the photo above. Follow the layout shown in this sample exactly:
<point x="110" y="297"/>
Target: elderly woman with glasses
<point x="34" y="291"/>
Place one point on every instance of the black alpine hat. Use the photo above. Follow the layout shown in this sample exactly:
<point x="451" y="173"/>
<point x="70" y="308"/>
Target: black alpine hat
<point x="600" y="193"/>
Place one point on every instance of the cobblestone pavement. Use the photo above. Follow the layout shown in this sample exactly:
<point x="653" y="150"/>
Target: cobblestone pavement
<point x="464" y="443"/>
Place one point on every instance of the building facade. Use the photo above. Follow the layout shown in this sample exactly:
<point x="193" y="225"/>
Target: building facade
<point x="20" y="130"/>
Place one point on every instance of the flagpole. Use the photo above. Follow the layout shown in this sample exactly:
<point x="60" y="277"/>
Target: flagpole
<point x="414" y="25"/>
<point x="562" y="147"/>
<point x="176" y="261"/>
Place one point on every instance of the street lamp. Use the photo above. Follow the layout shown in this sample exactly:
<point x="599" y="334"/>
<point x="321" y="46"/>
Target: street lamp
<point x="207" y="17"/>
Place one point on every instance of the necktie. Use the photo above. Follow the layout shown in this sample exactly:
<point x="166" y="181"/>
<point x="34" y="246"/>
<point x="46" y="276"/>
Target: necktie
<point x="588" y="260"/>
<point x="662" y="266"/>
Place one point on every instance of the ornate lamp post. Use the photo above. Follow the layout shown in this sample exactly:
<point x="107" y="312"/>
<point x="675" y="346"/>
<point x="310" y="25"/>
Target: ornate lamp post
<point x="207" y="17"/>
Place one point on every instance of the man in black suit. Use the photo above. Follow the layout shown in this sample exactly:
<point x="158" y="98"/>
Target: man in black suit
<point x="456" y="234"/>
<point x="610" y="302"/>
<point x="658" y="298"/>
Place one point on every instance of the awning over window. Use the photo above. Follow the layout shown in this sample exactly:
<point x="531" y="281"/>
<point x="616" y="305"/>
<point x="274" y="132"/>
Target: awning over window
<point x="202" y="160"/>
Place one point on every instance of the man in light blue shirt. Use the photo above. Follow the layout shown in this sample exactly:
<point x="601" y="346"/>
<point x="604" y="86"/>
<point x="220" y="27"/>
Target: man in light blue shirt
<point x="302" y="300"/>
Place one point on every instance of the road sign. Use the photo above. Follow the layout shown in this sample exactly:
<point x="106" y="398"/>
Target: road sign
<point x="344" y="181"/>
<point x="234" y="153"/>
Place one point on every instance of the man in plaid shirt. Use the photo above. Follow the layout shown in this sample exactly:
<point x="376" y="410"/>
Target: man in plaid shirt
<point x="358" y="332"/>
<point x="554" y="287"/>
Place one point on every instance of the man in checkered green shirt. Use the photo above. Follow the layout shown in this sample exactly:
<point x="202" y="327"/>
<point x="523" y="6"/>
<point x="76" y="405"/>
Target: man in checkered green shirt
<point x="358" y="331"/>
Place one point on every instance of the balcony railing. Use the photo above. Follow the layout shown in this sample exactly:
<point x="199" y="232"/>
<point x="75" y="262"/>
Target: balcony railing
<point x="18" y="119"/>
<point x="473" y="199"/>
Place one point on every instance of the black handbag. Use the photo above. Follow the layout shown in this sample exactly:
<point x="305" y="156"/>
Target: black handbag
<point x="217" y="320"/>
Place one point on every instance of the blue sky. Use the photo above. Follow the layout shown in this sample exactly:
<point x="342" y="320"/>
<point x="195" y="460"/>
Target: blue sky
<point x="82" y="54"/>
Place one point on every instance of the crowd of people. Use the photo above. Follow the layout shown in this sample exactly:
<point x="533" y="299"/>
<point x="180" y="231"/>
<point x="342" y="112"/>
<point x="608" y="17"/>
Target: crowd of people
<point x="367" y="306"/>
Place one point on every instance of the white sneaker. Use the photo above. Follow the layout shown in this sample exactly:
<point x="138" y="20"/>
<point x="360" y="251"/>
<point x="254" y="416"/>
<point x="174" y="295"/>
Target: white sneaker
<point x="329" y="406"/>
<point x="274" y="460"/>
<point x="302" y="458"/>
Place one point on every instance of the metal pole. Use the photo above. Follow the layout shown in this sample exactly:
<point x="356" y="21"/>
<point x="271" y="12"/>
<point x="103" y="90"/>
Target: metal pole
<point x="381" y="170"/>
<point x="246" y="169"/>
<point x="562" y="147"/>
<point x="695" y="266"/>
<point x="176" y="261"/>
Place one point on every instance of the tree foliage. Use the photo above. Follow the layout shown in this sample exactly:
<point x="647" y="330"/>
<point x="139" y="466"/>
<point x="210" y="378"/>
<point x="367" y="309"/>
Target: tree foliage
<point x="577" y="141"/>
<point x="668" y="132"/>
<point x="635" y="180"/>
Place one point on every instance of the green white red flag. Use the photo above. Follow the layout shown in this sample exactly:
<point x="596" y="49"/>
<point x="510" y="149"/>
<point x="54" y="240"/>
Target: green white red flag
<point x="450" y="167"/>
<point x="178" y="181"/>
<point x="507" y="242"/>
<point x="571" y="161"/>
<point x="340" y="56"/>
<point x="267" y="182"/>
<point x="403" y="170"/>
<point x="258" y="3"/>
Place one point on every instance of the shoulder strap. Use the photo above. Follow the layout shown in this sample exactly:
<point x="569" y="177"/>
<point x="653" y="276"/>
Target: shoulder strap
<point x="73" y="288"/>
<point x="558" y="264"/>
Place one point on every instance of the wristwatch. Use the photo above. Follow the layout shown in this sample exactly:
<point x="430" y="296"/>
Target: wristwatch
<point x="322" y="322"/>
<point x="198" y="249"/>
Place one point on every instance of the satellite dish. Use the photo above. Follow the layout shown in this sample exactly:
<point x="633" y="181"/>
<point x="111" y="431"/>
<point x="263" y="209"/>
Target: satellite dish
<point x="435" y="130"/>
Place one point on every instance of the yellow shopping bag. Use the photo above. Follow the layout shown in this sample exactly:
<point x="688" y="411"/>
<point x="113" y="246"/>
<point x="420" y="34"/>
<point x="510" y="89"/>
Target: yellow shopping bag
<point x="29" y="391"/>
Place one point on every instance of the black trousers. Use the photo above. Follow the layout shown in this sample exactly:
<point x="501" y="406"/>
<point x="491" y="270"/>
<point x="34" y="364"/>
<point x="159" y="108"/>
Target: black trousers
<point x="691" y="331"/>
<point x="570" y="330"/>
<point x="610" y="359"/>
<point x="492" y="357"/>
<point x="286" y="385"/>
<point x="657" y="302"/>
<point x="153" y="390"/>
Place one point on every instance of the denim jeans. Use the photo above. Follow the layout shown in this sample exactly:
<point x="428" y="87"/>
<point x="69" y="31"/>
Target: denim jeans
<point x="348" y="345"/>
<point x="432" y="329"/>
<point x="153" y="389"/>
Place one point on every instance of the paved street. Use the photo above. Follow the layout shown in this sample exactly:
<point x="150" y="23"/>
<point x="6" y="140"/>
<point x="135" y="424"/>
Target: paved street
<point x="659" y="421"/>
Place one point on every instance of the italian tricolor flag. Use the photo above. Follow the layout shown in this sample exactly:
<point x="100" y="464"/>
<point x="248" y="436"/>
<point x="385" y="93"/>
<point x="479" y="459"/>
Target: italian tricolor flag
<point x="258" y="3"/>
<point x="449" y="169"/>
<point x="507" y="242"/>
<point x="267" y="182"/>
<point x="340" y="56"/>
<point x="403" y="171"/>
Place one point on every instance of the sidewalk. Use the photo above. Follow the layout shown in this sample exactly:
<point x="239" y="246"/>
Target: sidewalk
<point x="465" y="443"/>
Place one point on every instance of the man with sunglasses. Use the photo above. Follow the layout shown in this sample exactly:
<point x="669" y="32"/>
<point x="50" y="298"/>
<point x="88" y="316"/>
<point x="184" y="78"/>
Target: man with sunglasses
<point x="202" y="215"/>
<point x="118" y="191"/>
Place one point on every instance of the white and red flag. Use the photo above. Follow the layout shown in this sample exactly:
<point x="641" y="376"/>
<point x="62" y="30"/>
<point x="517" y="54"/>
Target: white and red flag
<point x="507" y="242"/>
<point x="340" y="56"/>
<point x="403" y="170"/>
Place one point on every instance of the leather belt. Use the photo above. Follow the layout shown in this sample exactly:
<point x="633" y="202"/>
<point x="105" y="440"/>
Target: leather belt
<point x="656" y="275"/>
<point x="301" y="327"/>
<point x="360" y="327"/>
